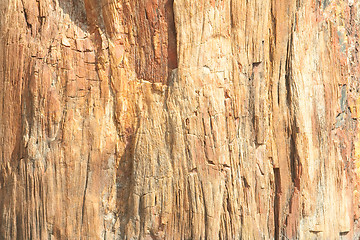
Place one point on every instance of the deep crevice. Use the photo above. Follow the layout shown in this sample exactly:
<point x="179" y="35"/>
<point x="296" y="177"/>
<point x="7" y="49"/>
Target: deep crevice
<point x="277" y="203"/>
<point x="85" y="189"/>
<point x="172" y="37"/>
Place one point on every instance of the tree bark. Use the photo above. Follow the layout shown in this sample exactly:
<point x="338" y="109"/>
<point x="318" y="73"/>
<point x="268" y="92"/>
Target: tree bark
<point x="179" y="119"/>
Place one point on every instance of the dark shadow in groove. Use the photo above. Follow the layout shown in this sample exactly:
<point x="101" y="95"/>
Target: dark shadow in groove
<point x="76" y="10"/>
<point x="172" y="39"/>
<point x="277" y="203"/>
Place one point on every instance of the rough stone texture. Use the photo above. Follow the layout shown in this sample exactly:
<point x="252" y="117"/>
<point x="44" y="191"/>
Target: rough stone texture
<point x="184" y="119"/>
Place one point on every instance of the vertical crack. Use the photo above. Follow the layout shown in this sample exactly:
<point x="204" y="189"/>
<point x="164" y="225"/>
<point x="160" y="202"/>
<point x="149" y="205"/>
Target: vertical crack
<point x="294" y="157"/>
<point x="26" y="15"/>
<point x="85" y="189"/>
<point x="172" y="38"/>
<point x="277" y="202"/>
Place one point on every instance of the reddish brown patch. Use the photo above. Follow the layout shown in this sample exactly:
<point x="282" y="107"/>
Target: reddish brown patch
<point x="154" y="46"/>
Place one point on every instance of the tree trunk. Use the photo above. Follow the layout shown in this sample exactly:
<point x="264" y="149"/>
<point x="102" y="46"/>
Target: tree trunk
<point x="179" y="119"/>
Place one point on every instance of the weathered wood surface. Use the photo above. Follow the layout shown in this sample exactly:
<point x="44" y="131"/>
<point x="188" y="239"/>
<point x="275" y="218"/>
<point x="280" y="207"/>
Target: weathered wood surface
<point x="184" y="119"/>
